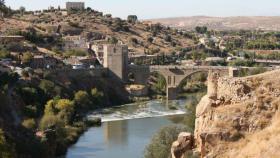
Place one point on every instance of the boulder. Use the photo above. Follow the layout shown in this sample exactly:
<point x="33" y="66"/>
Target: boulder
<point x="184" y="143"/>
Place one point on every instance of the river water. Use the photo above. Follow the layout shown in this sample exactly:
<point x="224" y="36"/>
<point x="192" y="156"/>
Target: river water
<point x="127" y="129"/>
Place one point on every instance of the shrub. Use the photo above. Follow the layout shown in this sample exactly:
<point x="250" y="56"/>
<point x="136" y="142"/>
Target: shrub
<point x="75" y="52"/>
<point x="6" y="149"/>
<point x="29" y="124"/>
<point x="27" y="57"/>
<point x="161" y="142"/>
<point x="4" y="53"/>
<point x="82" y="99"/>
<point x="49" y="121"/>
<point x="134" y="41"/>
<point x="167" y="38"/>
<point x="150" y="39"/>
<point x="73" y="24"/>
<point x="65" y="104"/>
<point x="50" y="88"/>
<point x="30" y="111"/>
<point x="113" y="40"/>
<point x="97" y="96"/>
<point x="132" y="19"/>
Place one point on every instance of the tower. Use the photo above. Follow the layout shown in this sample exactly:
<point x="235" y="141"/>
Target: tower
<point x="116" y="60"/>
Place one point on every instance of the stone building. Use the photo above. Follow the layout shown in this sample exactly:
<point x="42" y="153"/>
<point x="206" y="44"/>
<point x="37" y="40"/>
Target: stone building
<point x="99" y="52"/>
<point x="116" y="60"/>
<point x="113" y="57"/>
<point x="75" y="6"/>
<point x="75" y="42"/>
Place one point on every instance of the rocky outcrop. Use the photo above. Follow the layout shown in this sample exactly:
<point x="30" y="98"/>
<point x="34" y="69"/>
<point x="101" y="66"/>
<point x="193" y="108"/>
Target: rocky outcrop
<point x="184" y="143"/>
<point x="233" y="109"/>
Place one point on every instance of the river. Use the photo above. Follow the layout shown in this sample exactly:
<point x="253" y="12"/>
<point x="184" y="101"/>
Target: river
<point x="127" y="129"/>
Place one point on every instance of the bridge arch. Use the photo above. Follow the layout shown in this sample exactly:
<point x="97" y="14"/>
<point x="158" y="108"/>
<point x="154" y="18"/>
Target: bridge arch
<point x="184" y="79"/>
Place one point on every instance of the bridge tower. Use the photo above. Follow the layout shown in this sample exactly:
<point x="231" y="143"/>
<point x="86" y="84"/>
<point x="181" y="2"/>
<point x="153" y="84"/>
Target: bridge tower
<point x="171" y="87"/>
<point x="116" y="60"/>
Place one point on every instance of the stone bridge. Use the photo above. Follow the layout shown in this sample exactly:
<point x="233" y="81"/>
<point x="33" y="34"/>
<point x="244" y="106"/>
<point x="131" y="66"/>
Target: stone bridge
<point x="174" y="75"/>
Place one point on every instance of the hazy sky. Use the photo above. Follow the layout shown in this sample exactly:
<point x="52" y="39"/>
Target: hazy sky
<point x="146" y="9"/>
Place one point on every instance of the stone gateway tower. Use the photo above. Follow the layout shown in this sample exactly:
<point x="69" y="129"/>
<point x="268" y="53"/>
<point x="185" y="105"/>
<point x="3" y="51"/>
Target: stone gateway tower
<point x="75" y="6"/>
<point x="116" y="60"/>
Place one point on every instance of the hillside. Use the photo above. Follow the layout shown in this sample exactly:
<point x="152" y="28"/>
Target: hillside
<point x="93" y="25"/>
<point x="239" y="117"/>
<point x="270" y="23"/>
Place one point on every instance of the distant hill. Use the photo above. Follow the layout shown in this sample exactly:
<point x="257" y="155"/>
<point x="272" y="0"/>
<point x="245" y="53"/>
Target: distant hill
<point x="93" y="25"/>
<point x="270" y="23"/>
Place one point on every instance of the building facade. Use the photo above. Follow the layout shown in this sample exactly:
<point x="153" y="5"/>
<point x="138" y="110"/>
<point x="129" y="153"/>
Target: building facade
<point x="116" y="60"/>
<point x="114" y="57"/>
<point x="75" y="42"/>
<point x="75" y="6"/>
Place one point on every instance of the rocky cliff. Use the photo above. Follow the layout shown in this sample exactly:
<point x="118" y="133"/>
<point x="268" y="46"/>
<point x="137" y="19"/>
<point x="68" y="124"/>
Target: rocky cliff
<point x="239" y="117"/>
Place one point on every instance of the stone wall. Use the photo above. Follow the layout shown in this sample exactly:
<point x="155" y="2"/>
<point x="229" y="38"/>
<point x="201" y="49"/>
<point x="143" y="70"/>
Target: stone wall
<point x="232" y="108"/>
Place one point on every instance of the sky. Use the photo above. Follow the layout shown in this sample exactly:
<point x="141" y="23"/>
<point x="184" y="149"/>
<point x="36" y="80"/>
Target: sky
<point x="150" y="9"/>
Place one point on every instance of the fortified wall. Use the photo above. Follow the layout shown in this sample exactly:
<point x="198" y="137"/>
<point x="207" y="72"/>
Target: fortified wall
<point x="234" y="106"/>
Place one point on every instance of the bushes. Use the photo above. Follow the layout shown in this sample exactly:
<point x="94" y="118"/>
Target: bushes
<point x="97" y="96"/>
<point x="4" y="53"/>
<point x="50" y="88"/>
<point x="75" y="52"/>
<point x="238" y="62"/>
<point x="161" y="142"/>
<point x="73" y="24"/>
<point x="27" y="57"/>
<point x="132" y="19"/>
<point x="6" y="149"/>
<point x="30" y="111"/>
<point x="82" y="99"/>
<point x="113" y="40"/>
<point x="49" y="121"/>
<point x="29" y="124"/>
<point x="167" y="38"/>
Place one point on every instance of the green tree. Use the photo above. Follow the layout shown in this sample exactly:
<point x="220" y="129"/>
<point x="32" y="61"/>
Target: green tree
<point x="65" y="104"/>
<point x="161" y="142"/>
<point x="82" y="99"/>
<point x="113" y="40"/>
<point x="49" y="121"/>
<point x="132" y="19"/>
<point x="189" y="120"/>
<point x="27" y="57"/>
<point x="22" y="10"/>
<point x="4" y="53"/>
<point x="167" y="38"/>
<point x="97" y="96"/>
<point x="201" y="30"/>
<point x="29" y="124"/>
<point x="150" y="39"/>
<point x="50" y="88"/>
<point x="75" y="52"/>
<point x="6" y="149"/>
<point x="50" y="108"/>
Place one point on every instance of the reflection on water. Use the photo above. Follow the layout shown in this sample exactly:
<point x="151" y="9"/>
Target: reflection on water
<point x="115" y="133"/>
<point x="126" y="130"/>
